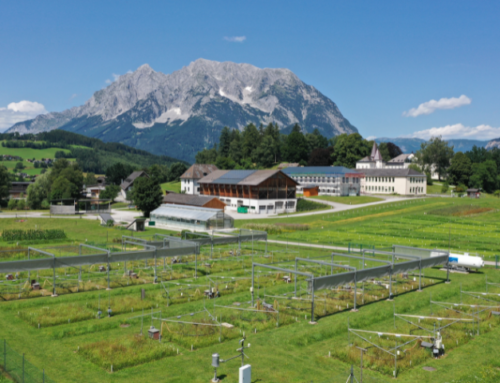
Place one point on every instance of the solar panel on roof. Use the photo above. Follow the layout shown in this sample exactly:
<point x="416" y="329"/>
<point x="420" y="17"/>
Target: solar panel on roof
<point x="233" y="177"/>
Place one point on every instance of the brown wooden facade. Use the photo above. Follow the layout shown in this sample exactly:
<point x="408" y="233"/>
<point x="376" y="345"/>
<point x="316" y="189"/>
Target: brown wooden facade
<point x="278" y="186"/>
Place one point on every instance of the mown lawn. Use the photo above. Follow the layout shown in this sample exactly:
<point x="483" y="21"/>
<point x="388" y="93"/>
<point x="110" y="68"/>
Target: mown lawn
<point x="348" y="200"/>
<point x="172" y="186"/>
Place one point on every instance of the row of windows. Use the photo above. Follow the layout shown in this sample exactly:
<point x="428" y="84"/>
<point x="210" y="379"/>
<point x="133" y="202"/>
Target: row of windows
<point x="380" y="188"/>
<point x="380" y="179"/>
<point x="417" y="180"/>
<point x="416" y="190"/>
<point x="325" y="179"/>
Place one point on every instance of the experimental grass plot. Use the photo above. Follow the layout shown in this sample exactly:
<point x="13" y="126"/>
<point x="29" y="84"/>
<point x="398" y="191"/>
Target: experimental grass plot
<point x="129" y="345"/>
<point x="417" y="337"/>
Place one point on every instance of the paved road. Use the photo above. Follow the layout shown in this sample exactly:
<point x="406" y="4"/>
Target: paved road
<point x="336" y="207"/>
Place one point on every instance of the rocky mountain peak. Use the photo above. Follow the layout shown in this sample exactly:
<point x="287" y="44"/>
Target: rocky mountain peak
<point x="203" y="96"/>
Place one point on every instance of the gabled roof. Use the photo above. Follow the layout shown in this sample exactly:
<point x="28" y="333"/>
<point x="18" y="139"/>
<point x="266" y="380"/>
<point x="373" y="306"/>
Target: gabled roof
<point x="242" y="177"/>
<point x="374" y="150"/>
<point x="131" y="178"/>
<point x="189" y="199"/>
<point x="198" y="171"/>
<point x="400" y="158"/>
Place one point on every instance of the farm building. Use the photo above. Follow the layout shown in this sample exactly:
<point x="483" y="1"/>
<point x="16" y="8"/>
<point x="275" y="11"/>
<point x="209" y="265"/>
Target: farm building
<point x="474" y="193"/>
<point x="252" y="191"/>
<point x="18" y="189"/>
<point x="330" y="180"/>
<point x="190" y="217"/>
<point x="127" y="185"/>
<point x="94" y="190"/>
<point x="189" y="180"/>
<point x="389" y="181"/>
<point x="310" y="190"/>
<point x="194" y="200"/>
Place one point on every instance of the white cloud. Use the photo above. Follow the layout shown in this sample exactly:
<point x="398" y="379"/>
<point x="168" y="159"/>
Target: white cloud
<point x="235" y="39"/>
<point x="433" y="105"/>
<point x="74" y="95"/>
<point x="370" y="138"/>
<point x="480" y="132"/>
<point x="19" y="111"/>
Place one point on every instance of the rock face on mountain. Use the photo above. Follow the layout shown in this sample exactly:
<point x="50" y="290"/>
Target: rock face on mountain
<point x="495" y="143"/>
<point x="180" y="113"/>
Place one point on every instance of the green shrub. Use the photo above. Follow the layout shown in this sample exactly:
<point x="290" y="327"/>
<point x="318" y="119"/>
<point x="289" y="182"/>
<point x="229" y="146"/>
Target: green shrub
<point x="29" y="235"/>
<point x="12" y="204"/>
<point x="306" y="205"/>
<point x="444" y="188"/>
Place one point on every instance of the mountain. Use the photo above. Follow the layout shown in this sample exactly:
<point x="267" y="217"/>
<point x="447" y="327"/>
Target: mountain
<point x="411" y="145"/>
<point x="180" y="113"/>
<point x="495" y="143"/>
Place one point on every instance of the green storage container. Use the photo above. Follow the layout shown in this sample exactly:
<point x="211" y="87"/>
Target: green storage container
<point x="242" y="209"/>
<point x="151" y="223"/>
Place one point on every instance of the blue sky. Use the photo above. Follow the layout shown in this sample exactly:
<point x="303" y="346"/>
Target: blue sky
<point x="375" y="59"/>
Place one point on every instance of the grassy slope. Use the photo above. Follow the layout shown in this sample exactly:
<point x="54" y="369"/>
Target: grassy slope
<point x="348" y="200"/>
<point x="28" y="153"/>
<point x="172" y="186"/>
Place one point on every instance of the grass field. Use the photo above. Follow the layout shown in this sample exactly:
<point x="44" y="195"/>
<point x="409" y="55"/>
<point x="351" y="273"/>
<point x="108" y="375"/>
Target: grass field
<point x="28" y="153"/>
<point x="413" y="222"/>
<point x="172" y="186"/>
<point x="73" y="345"/>
<point x="348" y="200"/>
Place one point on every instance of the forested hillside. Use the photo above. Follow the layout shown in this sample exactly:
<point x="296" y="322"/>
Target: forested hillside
<point x="91" y="154"/>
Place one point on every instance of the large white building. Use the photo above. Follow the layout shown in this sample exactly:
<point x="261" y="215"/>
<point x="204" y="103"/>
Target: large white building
<point x="252" y="191"/>
<point x="392" y="177"/>
<point x="189" y="180"/>
<point x="329" y="180"/>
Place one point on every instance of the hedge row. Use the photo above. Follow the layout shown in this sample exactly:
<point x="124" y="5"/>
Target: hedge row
<point x="29" y="235"/>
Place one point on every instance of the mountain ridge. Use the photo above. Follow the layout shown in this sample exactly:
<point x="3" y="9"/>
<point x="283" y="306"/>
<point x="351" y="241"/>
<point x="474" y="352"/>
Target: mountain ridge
<point x="183" y="112"/>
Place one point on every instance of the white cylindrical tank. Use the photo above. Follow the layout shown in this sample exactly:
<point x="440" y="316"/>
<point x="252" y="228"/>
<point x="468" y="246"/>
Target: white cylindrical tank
<point x="464" y="260"/>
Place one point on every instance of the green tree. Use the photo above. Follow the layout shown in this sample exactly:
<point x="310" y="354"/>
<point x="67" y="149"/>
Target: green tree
<point x="61" y="188"/>
<point x="21" y="204"/>
<point x="478" y="155"/>
<point x="159" y="173"/>
<point x="206" y="156"/>
<point x="296" y="148"/>
<point x="118" y="172"/>
<point x="321" y="157"/>
<point x="66" y="179"/>
<point x="110" y="192"/>
<point x="38" y="191"/>
<point x="235" y="146"/>
<point x="265" y="153"/>
<point x="4" y="184"/>
<point x="89" y="179"/>
<point x="147" y="195"/>
<point x="460" y="169"/>
<point x="444" y="188"/>
<point x="435" y="153"/>
<point x="19" y="166"/>
<point x="316" y="140"/>
<point x="389" y="150"/>
<point x="12" y="204"/>
<point x="225" y="163"/>
<point x="176" y="170"/>
<point x="349" y="148"/>
<point x="497" y="193"/>
<point x="484" y="176"/>
<point x="224" y="142"/>
<point x="250" y="140"/>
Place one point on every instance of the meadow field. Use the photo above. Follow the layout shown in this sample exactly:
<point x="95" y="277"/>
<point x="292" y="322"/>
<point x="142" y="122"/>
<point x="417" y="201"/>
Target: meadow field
<point x="65" y="337"/>
<point x="28" y="153"/>
<point x="461" y="224"/>
<point x="348" y="200"/>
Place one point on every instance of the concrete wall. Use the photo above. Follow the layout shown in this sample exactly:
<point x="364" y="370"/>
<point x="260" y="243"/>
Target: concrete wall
<point x="57" y="209"/>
